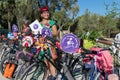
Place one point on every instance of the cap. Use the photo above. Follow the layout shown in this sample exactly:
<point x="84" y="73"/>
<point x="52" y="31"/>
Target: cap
<point x="42" y="9"/>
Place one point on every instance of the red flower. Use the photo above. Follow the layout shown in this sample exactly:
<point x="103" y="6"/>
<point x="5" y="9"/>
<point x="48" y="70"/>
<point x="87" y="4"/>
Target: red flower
<point x="47" y="24"/>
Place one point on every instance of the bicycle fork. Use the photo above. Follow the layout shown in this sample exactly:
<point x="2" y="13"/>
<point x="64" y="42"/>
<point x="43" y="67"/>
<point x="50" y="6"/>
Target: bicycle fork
<point x="67" y="72"/>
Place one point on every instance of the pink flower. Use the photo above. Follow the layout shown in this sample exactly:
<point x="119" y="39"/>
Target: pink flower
<point x="47" y="24"/>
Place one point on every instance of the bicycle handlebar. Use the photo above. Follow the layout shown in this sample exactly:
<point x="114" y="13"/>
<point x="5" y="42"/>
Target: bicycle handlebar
<point x="54" y="41"/>
<point x="86" y="51"/>
<point x="104" y="41"/>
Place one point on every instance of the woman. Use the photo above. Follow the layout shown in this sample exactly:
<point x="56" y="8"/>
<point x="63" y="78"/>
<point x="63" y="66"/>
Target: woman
<point x="46" y="22"/>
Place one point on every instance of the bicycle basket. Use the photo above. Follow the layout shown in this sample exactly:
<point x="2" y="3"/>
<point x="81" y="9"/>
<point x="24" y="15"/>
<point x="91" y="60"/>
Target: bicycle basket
<point x="25" y="56"/>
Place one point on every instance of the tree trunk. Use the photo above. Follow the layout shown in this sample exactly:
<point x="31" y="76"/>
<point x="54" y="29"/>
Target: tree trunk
<point x="69" y="29"/>
<point x="8" y="20"/>
<point x="59" y="32"/>
<point x="9" y="26"/>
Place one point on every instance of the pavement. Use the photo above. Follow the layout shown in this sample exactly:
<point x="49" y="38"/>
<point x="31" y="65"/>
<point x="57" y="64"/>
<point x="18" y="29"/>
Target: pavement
<point x="3" y="78"/>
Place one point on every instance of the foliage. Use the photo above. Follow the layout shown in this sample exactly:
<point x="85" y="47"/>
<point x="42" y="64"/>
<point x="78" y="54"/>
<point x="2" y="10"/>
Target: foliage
<point x="111" y="15"/>
<point x="91" y="35"/>
<point x="107" y="24"/>
<point x="61" y="10"/>
<point x="90" y="38"/>
<point x="64" y="12"/>
<point x="118" y="24"/>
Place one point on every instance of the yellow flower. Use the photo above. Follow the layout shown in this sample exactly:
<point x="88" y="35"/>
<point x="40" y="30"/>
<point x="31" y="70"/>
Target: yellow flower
<point x="88" y="44"/>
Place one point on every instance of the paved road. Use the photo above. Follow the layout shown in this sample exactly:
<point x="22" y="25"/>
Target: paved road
<point x="2" y="78"/>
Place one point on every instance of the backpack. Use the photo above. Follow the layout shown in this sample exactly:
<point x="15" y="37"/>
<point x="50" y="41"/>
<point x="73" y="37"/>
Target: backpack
<point x="104" y="60"/>
<point x="9" y="70"/>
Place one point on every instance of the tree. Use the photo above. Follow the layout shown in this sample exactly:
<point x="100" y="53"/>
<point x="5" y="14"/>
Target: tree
<point x="88" y="22"/>
<point x="111" y="15"/>
<point x="84" y="22"/>
<point x="7" y="7"/>
<point x="62" y="11"/>
<point x="118" y="24"/>
<point x="24" y="10"/>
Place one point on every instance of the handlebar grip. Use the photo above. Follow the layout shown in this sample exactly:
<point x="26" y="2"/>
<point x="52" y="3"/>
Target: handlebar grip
<point x="53" y="40"/>
<point x="38" y="35"/>
<point x="90" y="51"/>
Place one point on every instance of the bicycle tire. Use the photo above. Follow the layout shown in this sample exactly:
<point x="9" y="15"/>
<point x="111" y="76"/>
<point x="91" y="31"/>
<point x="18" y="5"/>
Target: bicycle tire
<point x="67" y="73"/>
<point x="4" y="54"/>
<point x="85" y="77"/>
<point x="96" y="76"/>
<point x="20" y="71"/>
<point x="75" y="66"/>
<point x="26" y="72"/>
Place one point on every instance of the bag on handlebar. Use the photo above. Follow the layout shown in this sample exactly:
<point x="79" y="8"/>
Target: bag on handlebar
<point x="9" y="70"/>
<point x="88" y="63"/>
<point x="101" y="61"/>
<point x="104" y="60"/>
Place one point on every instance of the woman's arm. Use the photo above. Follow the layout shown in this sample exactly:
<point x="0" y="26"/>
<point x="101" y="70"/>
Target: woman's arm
<point x="54" y="31"/>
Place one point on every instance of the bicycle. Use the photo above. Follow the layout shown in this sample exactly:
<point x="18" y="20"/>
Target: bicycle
<point x="8" y="58"/>
<point x="23" y="58"/>
<point x="63" y="70"/>
<point x="9" y="45"/>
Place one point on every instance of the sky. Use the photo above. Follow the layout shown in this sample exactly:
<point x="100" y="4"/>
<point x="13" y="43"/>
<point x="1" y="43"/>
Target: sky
<point x="94" y="6"/>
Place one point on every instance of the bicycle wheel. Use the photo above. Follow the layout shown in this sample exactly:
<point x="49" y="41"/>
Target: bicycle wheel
<point x="3" y="49"/>
<point x="76" y="67"/>
<point x="4" y="54"/>
<point x="78" y="71"/>
<point x="85" y="77"/>
<point x="94" y="76"/>
<point x="34" y="71"/>
<point x="21" y="69"/>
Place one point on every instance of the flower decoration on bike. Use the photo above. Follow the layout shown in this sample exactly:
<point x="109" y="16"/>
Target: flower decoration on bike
<point x="46" y="32"/>
<point x="41" y="40"/>
<point x="10" y="35"/>
<point x="41" y="43"/>
<point x="27" y="41"/>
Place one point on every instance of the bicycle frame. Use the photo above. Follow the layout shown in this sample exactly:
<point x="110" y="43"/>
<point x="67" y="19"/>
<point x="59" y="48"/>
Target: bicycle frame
<point x="63" y="71"/>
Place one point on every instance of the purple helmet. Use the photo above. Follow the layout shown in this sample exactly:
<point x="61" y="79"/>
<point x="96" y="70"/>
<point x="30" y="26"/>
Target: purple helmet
<point x="14" y="28"/>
